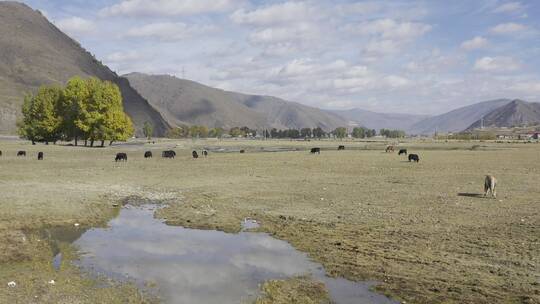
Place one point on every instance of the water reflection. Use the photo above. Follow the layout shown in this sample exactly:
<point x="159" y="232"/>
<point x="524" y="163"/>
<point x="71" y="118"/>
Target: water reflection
<point x="196" y="266"/>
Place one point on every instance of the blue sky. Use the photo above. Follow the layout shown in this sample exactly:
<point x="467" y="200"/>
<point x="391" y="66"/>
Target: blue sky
<point x="388" y="56"/>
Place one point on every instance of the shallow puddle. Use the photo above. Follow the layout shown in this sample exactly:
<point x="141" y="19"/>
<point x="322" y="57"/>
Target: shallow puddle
<point x="201" y="266"/>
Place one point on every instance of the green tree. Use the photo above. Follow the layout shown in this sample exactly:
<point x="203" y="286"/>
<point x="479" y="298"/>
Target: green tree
<point x="216" y="132"/>
<point x="305" y="132"/>
<point x="117" y="127"/>
<point x="236" y="132"/>
<point x="148" y="130"/>
<point x="340" y="132"/>
<point x="318" y="132"/>
<point x="41" y="121"/>
<point x="85" y="108"/>
<point x="359" y="132"/>
<point x="103" y="113"/>
<point x="76" y="95"/>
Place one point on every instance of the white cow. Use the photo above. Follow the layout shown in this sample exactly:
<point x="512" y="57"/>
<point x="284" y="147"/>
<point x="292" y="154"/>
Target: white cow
<point x="489" y="185"/>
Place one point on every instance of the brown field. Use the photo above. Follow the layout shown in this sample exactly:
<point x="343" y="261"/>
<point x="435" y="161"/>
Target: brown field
<point x="418" y="229"/>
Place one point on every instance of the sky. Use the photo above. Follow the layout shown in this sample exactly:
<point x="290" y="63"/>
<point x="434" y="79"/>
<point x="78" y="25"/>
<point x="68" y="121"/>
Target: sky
<point x="419" y="57"/>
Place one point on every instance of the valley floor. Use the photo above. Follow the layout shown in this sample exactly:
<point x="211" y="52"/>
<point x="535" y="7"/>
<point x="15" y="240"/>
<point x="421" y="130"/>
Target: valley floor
<point x="420" y="230"/>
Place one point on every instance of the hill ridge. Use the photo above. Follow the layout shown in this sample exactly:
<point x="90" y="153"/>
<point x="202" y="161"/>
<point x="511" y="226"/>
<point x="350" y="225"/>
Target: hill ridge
<point x="215" y="107"/>
<point x="458" y="119"/>
<point x="516" y="113"/>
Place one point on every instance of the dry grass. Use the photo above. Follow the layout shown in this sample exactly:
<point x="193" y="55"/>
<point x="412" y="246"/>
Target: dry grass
<point x="298" y="290"/>
<point x="362" y="213"/>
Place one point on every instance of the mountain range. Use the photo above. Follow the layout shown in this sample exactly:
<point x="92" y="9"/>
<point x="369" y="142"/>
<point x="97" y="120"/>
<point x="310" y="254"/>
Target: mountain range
<point x="187" y="102"/>
<point x="34" y="52"/>
<point x="377" y="121"/>
<point x="456" y="120"/>
<point x="514" y="113"/>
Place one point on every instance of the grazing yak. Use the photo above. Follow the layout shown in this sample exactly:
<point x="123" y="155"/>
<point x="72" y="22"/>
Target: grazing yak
<point x="489" y="186"/>
<point x="242" y="151"/>
<point x="195" y="155"/>
<point x="390" y="149"/>
<point x="40" y="156"/>
<point x="414" y="157"/>
<point x="402" y="151"/>
<point x="341" y="148"/>
<point x="0" y="153"/>
<point x="120" y="157"/>
<point x="315" y="150"/>
<point x="204" y="153"/>
<point x="168" y="154"/>
<point x="148" y="154"/>
<point x="21" y="153"/>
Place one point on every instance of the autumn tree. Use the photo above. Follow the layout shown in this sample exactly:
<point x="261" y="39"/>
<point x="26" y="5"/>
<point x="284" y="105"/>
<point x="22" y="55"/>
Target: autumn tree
<point x="90" y="109"/>
<point x="41" y="122"/>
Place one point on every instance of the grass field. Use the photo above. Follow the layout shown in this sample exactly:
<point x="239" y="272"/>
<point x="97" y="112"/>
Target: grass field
<point x="418" y="229"/>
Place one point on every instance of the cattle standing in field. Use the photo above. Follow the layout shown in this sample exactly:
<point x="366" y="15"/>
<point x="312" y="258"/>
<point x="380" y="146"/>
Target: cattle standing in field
<point x="390" y="149"/>
<point x="402" y="151"/>
<point x="148" y="154"/>
<point x="21" y="153"/>
<point x="204" y="153"/>
<point x="315" y="150"/>
<point x="195" y="154"/>
<point x="168" y="154"/>
<point x="242" y="151"/>
<point x="120" y="157"/>
<point x="40" y="156"/>
<point x="341" y="148"/>
<point x="489" y="186"/>
<point x="414" y="157"/>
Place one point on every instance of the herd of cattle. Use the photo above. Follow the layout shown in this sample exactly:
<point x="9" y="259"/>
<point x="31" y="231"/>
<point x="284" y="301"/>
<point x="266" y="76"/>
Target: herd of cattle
<point x="412" y="157"/>
<point x="165" y="154"/>
<point x="171" y="154"/>
<point x="489" y="183"/>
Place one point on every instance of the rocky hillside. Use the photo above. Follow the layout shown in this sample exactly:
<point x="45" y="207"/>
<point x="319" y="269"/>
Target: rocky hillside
<point x="186" y="102"/>
<point x="517" y="113"/>
<point x="34" y="52"/>
<point x="457" y="120"/>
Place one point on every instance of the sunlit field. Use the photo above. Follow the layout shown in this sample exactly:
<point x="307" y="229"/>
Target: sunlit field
<point x="423" y="230"/>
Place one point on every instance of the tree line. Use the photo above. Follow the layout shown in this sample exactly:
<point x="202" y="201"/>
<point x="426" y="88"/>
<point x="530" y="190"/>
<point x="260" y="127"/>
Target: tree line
<point x="184" y="131"/>
<point x="85" y="109"/>
<point x="196" y="131"/>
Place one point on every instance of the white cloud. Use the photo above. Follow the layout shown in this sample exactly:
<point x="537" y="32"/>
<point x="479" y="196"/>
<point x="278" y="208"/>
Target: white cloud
<point x="76" y="26"/>
<point x="497" y="64"/>
<point x="307" y="67"/>
<point x="510" y="7"/>
<point x="386" y="36"/>
<point x="167" y="31"/>
<point x="382" y="47"/>
<point x="531" y="87"/>
<point x="391" y="29"/>
<point x="508" y="28"/>
<point x="124" y="56"/>
<point x="168" y="7"/>
<point x="475" y="43"/>
<point x="288" y="12"/>
<point x="296" y="34"/>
